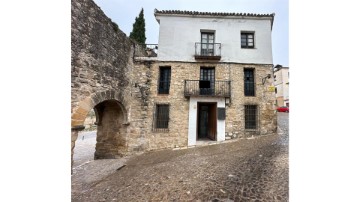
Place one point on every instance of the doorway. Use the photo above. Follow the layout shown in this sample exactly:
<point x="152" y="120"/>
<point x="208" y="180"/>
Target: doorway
<point x="206" y="123"/>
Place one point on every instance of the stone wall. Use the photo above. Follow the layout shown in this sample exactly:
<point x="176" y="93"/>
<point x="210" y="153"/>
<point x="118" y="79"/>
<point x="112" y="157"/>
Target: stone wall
<point x="235" y="112"/>
<point x="101" y="55"/>
<point x="177" y="135"/>
<point x="101" y="74"/>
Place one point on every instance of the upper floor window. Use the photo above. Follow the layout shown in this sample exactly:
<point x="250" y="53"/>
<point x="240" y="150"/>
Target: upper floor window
<point x="164" y="80"/>
<point x="207" y="43"/>
<point x="247" y="40"/>
<point x="249" y="82"/>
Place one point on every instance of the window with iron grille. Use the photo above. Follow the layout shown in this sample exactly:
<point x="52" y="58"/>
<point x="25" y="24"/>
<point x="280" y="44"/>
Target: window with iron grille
<point x="164" y="80"/>
<point x="249" y="82"/>
<point x="247" y="40"/>
<point x="161" y="118"/>
<point x="250" y="116"/>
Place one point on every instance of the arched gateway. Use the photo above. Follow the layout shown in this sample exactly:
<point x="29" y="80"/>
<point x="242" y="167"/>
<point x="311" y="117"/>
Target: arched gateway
<point x="111" y="121"/>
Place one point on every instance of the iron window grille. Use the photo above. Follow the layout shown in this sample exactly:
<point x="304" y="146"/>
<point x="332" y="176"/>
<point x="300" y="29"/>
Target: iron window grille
<point x="161" y="118"/>
<point x="249" y="82"/>
<point x="164" y="80"/>
<point x="250" y="116"/>
<point x="247" y="40"/>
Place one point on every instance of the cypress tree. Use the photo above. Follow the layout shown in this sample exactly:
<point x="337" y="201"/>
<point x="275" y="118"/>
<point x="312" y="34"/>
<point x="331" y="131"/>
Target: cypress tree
<point x="138" y="32"/>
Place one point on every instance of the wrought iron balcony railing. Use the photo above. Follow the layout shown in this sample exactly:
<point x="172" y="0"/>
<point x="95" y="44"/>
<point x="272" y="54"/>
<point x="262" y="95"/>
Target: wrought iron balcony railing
<point x="208" y="51"/>
<point x="146" y="50"/>
<point x="207" y="88"/>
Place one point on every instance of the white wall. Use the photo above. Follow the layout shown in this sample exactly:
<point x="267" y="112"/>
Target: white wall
<point x="193" y="117"/>
<point x="178" y="36"/>
<point x="285" y="76"/>
<point x="278" y="83"/>
<point x="281" y="83"/>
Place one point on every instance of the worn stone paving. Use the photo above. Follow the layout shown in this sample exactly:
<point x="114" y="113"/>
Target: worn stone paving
<point x="244" y="170"/>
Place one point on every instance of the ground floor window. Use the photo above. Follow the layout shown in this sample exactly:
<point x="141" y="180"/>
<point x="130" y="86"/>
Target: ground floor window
<point x="161" y="118"/>
<point x="250" y="116"/>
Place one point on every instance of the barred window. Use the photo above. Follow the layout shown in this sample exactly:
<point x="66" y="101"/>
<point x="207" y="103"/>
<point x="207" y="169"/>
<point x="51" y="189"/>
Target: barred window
<point x="161" y="118"/>
<point x="249" y="82"/>
<point x="164" y="80"/>
<point x="250" y="116"/>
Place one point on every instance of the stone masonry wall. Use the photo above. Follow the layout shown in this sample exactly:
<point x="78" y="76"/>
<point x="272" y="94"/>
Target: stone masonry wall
<point x="179" y="105"/>
<point x="101" y="54"/>
<point x="235" y="112"/>
<point x="101" y="71"/>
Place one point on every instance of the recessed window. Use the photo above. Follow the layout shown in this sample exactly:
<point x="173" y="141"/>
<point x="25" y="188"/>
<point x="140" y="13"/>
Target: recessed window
<point x="164" y="80"/>
<point x="247" y="40"/>
<point x="250" y="116"/>
<point x="249" y="82"/>
<point x="161" y="118"/>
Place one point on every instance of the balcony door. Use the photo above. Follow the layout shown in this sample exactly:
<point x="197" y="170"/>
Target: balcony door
<point x="207" y="43"/>
<point x="207" y="81"/>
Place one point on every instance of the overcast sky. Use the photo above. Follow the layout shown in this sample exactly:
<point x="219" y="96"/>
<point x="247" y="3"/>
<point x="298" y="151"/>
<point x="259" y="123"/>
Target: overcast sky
<point x="124" y="12"/>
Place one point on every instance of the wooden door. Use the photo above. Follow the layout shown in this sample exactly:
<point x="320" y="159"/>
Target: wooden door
<point x="212" y="122"/>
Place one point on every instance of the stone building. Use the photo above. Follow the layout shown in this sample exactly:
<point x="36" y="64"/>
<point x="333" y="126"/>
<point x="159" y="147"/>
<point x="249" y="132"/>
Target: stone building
<point x="210" y="78"/>
<point x="281" y="82"/>
<point x="207" y="79"/>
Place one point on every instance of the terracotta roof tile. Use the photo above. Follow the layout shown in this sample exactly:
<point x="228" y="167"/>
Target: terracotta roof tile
<point x="211" y="13"/>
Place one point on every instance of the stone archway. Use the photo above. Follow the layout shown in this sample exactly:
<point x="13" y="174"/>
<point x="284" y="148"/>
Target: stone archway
<point x="107" y="105"/>
<point x="111" y="131"/>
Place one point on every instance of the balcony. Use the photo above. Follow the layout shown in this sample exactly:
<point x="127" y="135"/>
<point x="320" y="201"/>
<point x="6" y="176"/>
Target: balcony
<point x="146" y="50"/>
<point x="207" y="88"/>
<point x="207" y="51"/>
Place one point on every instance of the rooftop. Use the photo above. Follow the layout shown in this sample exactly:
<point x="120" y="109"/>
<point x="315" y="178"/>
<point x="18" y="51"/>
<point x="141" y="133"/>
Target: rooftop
<point x="212" y="14"/>
<point x="178" y="12"/>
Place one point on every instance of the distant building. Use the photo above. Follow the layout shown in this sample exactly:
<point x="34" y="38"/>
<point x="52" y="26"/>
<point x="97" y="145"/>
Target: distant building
<point x="281" y="82"/>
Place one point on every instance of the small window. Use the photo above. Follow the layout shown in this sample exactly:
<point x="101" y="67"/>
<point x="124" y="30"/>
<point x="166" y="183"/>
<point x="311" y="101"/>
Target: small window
<point x="161" y="118"/>
<point x="247" y="40"/>
<point x="164" y="80"/>
<point x="249" y="82"/>
<point x="250" y="116"/>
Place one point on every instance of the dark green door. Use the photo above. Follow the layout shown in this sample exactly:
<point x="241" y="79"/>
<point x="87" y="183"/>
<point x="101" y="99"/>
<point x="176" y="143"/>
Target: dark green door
<point x="207" y="121"/>
<point x="203" y="121"/>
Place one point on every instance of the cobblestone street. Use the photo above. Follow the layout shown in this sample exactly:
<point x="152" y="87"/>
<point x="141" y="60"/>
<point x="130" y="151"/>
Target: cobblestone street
<point x="254" y="169"/>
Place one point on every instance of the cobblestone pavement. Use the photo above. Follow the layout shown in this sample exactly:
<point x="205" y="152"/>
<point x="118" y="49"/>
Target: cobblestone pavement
<point x="254" y="169"/>
<point x="84" y="148"/>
